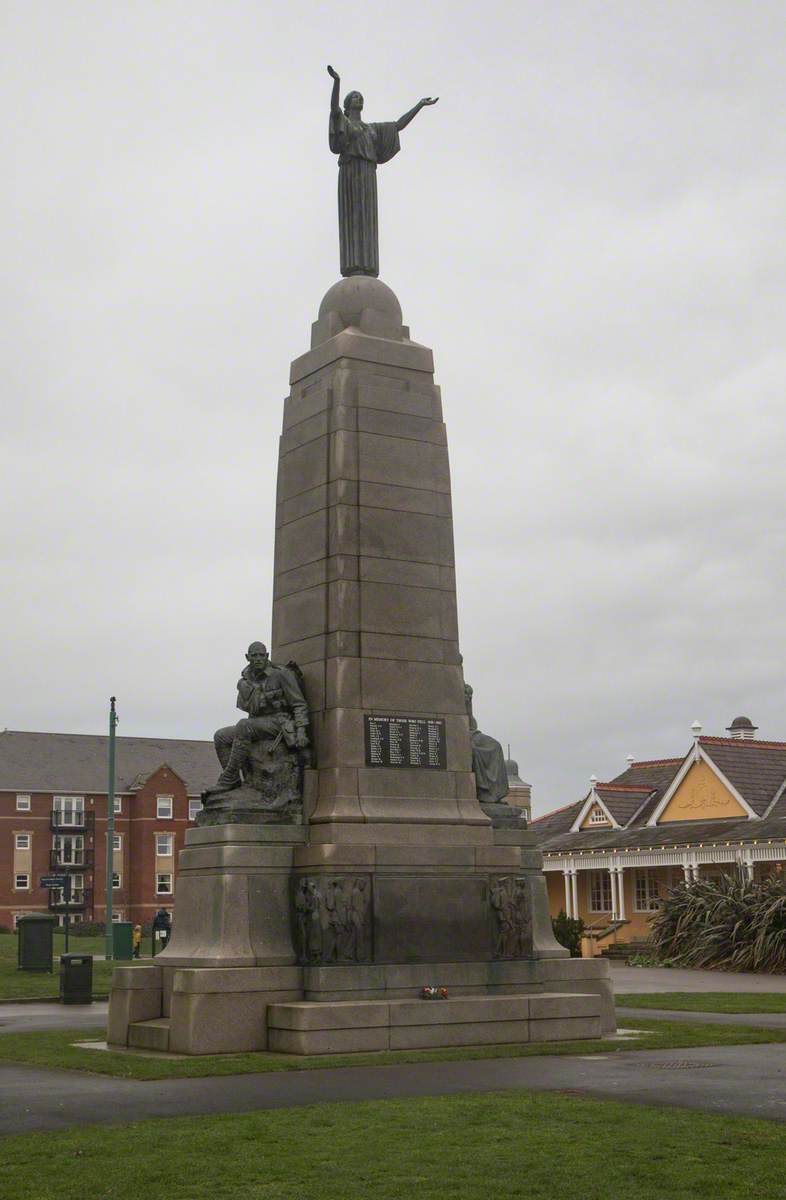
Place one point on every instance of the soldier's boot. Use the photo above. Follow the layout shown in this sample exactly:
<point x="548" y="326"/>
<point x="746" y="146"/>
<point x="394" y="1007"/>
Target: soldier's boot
<point x="229" y="779"/>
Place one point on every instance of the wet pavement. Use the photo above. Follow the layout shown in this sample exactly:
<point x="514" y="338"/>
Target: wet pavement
<point x="741" y="1080"/>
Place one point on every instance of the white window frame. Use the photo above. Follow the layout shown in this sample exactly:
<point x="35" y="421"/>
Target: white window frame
<point x="117" y="876"/>
<point x="69" y="848"/>
<point x="170" y="841"/>
<point x="646" y="896"/>
<point x="195" y="806"/>
<point x="118" y="805"/>
<point x="117" y="842"/>
<point x="597" y="816"/>
<point x="22" y="841"/>
<point x="21" y="887"/>
<point x="164" y="891"/>
<point x="599" y="892"/>
<point x="73" y="805"/>
<point x="165" y="816"/>
<point x="23" y="803"/>
<point x="117" y="914"/>
<point x="77" y="891"/>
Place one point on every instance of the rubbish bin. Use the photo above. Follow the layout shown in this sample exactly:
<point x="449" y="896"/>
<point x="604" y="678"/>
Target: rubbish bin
<point x="76" y="979"/>
<point x="123" y="940"/>
<point x="34" y="948"/>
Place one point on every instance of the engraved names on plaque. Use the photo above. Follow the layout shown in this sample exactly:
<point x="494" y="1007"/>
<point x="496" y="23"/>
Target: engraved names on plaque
<point x="405" y="742"/>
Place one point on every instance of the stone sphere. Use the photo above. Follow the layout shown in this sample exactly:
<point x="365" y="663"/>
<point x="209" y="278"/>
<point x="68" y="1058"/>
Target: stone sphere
<point x="351" y="296"/>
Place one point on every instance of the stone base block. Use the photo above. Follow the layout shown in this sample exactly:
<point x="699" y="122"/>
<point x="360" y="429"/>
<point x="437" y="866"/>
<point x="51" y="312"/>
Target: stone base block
<point x="355" y="1026"/>
<point x="391" y="981"/>
<point x="233" y="897"/>
<point x="224" y="1010"/>
<point x="149" y="1035"/>
<point x="136" y="995"/>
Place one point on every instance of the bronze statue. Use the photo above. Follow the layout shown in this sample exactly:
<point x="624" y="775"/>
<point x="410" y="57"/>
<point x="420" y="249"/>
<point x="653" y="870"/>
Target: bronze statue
<point x="266" y="751"/>
<point x="488" y="760"/>
<point x="360" y="147"/>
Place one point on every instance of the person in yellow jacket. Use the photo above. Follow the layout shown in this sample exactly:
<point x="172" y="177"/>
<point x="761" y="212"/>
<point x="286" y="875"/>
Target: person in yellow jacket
<point x="137" y="940"/>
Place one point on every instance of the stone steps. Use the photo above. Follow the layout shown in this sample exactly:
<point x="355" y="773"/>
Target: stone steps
<point x="149" y="1035"/>
<point x="346" y="1027"/>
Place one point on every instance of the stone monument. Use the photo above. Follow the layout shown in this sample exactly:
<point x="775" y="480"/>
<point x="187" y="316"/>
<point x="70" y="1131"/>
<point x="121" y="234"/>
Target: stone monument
<point x="311" y="922"/>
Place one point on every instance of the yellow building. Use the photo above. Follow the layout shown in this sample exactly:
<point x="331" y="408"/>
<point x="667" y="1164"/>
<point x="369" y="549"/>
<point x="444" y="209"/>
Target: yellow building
<point x="612" y="857"/>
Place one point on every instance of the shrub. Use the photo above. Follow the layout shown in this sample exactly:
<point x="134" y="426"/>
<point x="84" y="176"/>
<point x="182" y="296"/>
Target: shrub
<point x="568" y="931"/>
<point x="87" y="928"/>
<point x="729" y="923"/>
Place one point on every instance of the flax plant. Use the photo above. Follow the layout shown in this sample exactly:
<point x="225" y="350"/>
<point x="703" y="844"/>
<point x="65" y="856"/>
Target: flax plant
<point x="730" y="923"/>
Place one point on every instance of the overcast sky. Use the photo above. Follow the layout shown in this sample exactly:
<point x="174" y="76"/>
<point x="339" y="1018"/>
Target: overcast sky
<point x="589" y="231"/>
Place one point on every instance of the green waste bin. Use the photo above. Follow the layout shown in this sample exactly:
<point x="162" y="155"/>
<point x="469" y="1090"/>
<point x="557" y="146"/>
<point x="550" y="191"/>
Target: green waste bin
<point x="35" y="946"/>
<point x="122" y="940"/>
<point x="76" y="979"/>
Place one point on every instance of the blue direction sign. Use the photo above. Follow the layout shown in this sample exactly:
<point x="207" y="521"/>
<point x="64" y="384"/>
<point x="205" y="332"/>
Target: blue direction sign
<point x="53" y="881"/>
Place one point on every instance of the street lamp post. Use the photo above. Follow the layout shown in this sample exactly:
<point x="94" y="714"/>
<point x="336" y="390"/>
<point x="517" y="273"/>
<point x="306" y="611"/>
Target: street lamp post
<point x="110" y="829"/>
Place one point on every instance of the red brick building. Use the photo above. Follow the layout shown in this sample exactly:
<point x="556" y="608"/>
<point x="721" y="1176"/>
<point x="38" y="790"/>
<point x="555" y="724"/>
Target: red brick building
<point x="53" y="819"/>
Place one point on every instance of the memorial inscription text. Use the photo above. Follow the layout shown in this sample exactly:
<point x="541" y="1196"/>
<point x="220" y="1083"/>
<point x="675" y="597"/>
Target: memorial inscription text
<point x="405" y="742"/>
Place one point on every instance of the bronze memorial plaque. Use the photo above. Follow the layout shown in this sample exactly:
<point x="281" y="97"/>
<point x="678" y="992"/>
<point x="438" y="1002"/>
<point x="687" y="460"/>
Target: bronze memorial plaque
<point x="405" y="742"/>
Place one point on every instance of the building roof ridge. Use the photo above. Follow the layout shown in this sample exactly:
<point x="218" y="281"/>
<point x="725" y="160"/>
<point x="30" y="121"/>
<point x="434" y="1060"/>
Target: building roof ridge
<point x="656" y="762"/>
<point x="125" y="737"/>
<point x="748" y="743"/>
<point x="623" y="787"/>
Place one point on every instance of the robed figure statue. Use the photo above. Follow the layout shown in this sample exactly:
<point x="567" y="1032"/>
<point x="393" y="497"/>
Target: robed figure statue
<point x="360" y="147"/>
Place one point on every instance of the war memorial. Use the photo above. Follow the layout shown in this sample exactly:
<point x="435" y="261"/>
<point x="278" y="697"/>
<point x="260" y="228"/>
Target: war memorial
<point x="356" y="856"/>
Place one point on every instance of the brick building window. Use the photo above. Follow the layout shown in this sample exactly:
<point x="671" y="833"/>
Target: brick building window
<point x="77" y="891"/>
<point x="194" y="807"/>
<point x="116" y="880"/>
<point x="164" y="807"/>
<point x="117" y="841"/>
<point x="23" y="804"/>
<point x="70" y="810"/>
<point x="118" y="805"/>
<point x="647" y="895"/>
<point x="22" y="841"/>
<point x="600" y="892"/>
<point x="117" y="914"/>
<point x="69" y="849"/>
<point x="164" y="845"/>
<point x="164" y="884"/>
<point x="21" y="883"/>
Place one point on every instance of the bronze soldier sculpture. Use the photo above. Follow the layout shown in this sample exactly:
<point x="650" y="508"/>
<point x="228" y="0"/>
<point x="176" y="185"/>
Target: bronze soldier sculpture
<point x="273" y="736"/>
<point x="360" y="146"/>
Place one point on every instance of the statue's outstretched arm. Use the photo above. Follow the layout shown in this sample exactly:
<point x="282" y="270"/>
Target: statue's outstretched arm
<point x="335" y="107"/>
<point x="402" y="122"/>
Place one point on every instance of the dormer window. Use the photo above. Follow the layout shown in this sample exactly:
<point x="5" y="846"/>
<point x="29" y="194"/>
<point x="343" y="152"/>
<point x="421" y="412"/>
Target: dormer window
<point x="597" y="816"/>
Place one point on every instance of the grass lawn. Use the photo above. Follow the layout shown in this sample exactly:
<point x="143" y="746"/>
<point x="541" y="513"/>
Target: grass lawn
<point x="38" y="985"/>
<point x="716" y="1002"/>
<point x="518" y="1144"/>
<point x="56" y="1049"/>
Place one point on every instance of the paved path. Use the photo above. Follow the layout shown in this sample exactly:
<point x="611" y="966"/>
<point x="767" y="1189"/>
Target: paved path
<point x="747" y="1080"/>
<point x="758" y="1020"/>
<point x="38" y="1018"/>
<point x="667" y="979"/>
